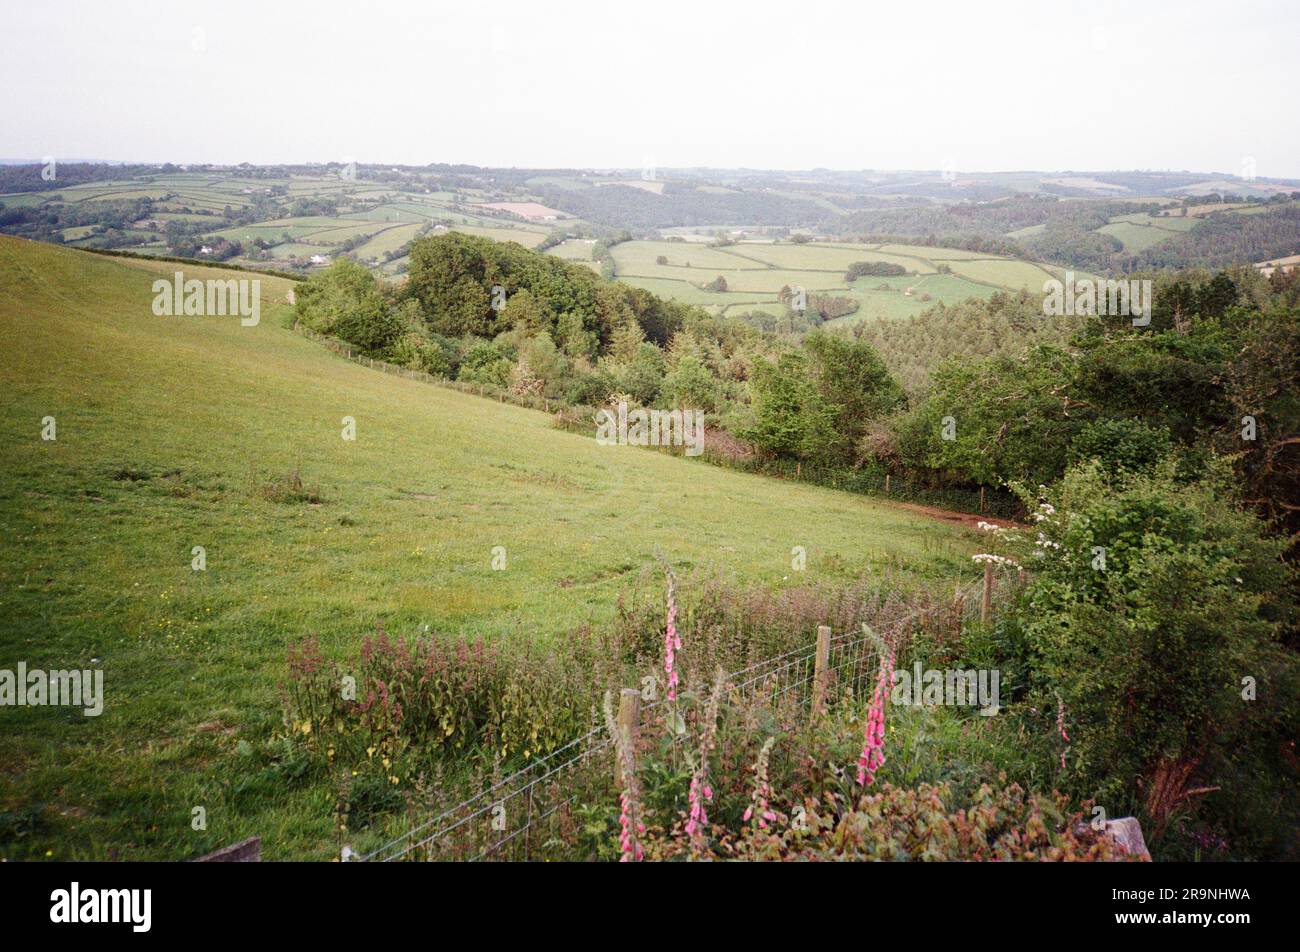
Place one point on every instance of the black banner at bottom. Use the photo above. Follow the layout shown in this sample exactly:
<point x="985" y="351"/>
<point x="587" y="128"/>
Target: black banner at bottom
<point x="345" y="902"/>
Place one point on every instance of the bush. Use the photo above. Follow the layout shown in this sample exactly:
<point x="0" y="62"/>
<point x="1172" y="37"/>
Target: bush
<point x="486" y="362"/>
<point x="791" y="417"/>
<point x="643" y="376"/>
<point x="346" y="301"/>
<point x="1122" y="446"/>
<point x="591" y="388"/>
<point x="1154" y="605"/>
<point x="541" y="362"/>
<point x="690" y="386"/>
<point x="879" y="269"/>
<point x="420" y="352"/>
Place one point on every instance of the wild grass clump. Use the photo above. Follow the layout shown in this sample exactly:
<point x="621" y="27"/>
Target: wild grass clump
<point x="289" y="489"/>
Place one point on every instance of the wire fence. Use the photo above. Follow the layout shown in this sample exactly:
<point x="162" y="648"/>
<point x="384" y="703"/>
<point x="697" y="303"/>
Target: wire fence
<point x="513" y="818"/>
<point x="535" y="813"/>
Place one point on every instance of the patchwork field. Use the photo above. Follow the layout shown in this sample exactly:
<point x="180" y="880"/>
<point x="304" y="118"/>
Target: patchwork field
<point x="182" y="432"/>
<point x="347" y="215"/>
<point x="756" y="271"/>
<point x="300" y="221"/>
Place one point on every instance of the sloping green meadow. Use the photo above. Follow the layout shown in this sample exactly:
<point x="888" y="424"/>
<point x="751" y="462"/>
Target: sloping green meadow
<point x="176" y="432"/>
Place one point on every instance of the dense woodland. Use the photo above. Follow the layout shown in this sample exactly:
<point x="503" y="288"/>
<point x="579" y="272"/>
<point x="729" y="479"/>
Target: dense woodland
<point x="29" y="178"/>
<point x="627" y="206"/>
<point x="1069" y="233"/>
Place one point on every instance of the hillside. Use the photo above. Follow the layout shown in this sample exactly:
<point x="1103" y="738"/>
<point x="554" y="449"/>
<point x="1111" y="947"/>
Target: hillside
<point x="175" y="432"/>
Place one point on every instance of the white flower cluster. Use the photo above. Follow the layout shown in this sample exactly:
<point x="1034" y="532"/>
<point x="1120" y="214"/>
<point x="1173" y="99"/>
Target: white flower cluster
<point x="1045" y="511"/>
<point x="996" y="559"/>
<point x="987" y="526"/>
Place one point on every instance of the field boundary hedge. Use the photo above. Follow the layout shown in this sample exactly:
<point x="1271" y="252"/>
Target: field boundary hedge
<point x="122" y="253"/>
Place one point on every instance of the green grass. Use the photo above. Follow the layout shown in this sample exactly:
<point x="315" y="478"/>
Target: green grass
<point x="388" y="213"/>
<point x="1027" y="232"/>
<point x="826" y="257"/>
<point x="1139" y="232"/>
<point x="1003" y="272"/>
<point x="876" y="304"/>
<point x="521" y="236"/>
<point x="390" y="239"/>
<point x="639" y="257"/>
<point x="688" y="293"/>
<point x="170" y="430"/>
<point x="575" y="249"/>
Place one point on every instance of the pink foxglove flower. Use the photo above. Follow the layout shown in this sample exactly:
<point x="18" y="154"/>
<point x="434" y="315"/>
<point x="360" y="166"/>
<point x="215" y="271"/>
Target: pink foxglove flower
<point x="672" y="643"/>
<point x="697" y="818"/>
<point x="629" y="844"/>
<point x="873" y="744"/>
<point x="701" y="792"/>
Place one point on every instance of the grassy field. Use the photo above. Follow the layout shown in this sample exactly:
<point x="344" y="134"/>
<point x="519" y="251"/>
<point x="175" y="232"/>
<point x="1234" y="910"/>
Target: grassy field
<point x="1003" y="273"/>
<point x="1142" y="231"/>
<point x="179" y="432"/>
<point x="755" y="271"/>
<point x="575" y="249"/>
<point x="390" y="239"/>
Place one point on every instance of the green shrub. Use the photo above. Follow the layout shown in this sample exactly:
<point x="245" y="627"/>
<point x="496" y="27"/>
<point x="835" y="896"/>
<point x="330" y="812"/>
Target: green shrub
<point x="346" y="301"/>
<point x="1122" y="446"/>
<point x="591" y="388"/>
<point x="486" y="362"/>
<point x="420" y="352"/>
<point x="1152" y="604"/>
<point x="690" y="386"/>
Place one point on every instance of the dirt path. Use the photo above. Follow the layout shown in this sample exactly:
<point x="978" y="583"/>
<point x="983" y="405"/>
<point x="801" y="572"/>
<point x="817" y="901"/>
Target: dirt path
<point x="966" y="519"/>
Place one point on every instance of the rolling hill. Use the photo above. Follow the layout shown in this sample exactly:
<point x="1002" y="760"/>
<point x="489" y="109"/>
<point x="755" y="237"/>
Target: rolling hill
<point x="177" y="432"/>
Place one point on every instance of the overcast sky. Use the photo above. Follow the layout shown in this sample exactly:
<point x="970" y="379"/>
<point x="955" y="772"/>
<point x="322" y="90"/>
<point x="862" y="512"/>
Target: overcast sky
<point x="969" y="85"/>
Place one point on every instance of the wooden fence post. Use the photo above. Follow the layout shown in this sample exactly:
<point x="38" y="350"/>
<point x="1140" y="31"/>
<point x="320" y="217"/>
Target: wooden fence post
<point x="821" y="670"/>
<point x="986" y="606"/>
<point x="981" y="499"/>
<point x="629" y="725"/>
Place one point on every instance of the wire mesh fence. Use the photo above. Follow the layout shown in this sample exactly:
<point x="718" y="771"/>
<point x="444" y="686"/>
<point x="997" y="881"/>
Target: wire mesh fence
<point x="513" y="818"/>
